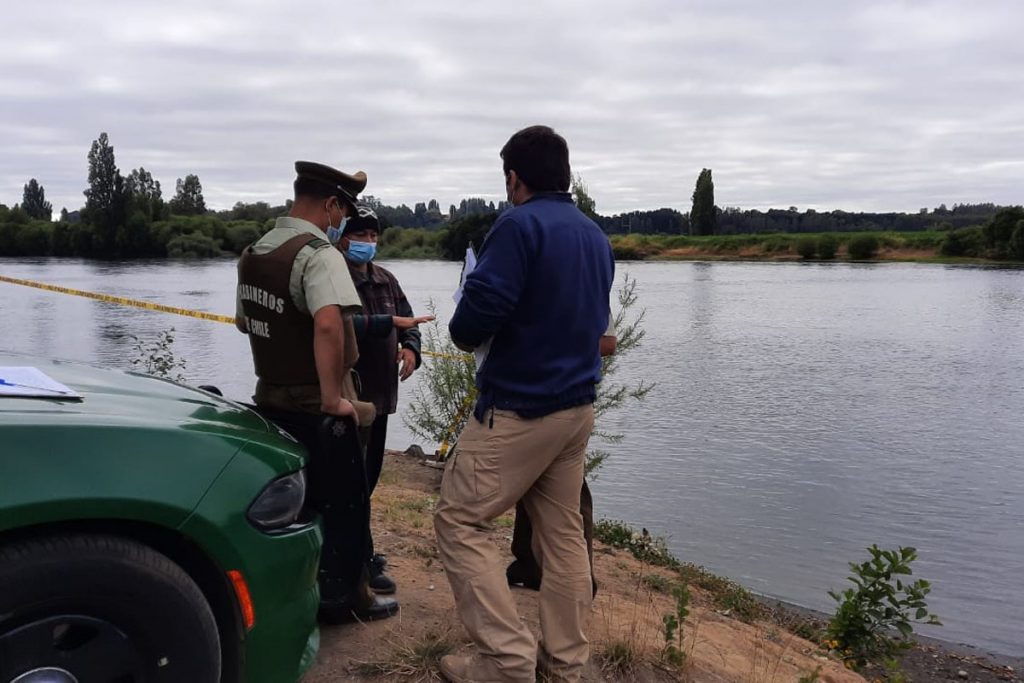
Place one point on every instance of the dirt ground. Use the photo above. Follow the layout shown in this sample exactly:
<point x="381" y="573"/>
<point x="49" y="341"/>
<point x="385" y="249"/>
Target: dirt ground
<point x="626" y="627"/>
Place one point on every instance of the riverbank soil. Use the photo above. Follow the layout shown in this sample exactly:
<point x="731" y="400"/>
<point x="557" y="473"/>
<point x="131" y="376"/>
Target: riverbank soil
<point x="940" y="662"/>
<point x="626" y="628"/>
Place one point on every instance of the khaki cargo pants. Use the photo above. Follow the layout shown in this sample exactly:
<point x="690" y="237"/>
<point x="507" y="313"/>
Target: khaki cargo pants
<point x="541" y="462"/>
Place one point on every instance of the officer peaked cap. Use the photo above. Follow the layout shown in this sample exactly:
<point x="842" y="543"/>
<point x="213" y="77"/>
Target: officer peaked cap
<point x="343" y="185"/>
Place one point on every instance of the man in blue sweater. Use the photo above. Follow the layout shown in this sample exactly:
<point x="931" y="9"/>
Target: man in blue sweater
<point x="540" y="296"/>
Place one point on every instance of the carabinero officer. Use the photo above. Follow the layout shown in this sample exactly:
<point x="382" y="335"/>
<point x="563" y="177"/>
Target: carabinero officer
<point x="293" y="290"/>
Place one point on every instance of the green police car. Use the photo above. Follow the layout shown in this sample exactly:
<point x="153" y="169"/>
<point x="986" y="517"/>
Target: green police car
<point x="149" y="531"/>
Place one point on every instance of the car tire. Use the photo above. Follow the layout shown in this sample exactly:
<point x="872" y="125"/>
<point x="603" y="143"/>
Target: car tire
<point x="103" y="609"/>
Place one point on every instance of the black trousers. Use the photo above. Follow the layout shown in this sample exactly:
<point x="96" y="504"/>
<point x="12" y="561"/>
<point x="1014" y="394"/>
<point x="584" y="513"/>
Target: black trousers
<point x="375" y="458"/>
<point x="336" y="489"/>
<point x="525" y="566"/>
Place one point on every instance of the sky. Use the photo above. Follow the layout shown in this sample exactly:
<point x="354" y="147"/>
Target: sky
<point x="861" y="106"/>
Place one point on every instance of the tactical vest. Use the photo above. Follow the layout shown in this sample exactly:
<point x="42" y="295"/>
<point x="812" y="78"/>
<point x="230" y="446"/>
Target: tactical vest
<point x="280" y="335"/>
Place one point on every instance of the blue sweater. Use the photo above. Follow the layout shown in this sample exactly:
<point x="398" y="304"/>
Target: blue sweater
<point x="541" y="290"/>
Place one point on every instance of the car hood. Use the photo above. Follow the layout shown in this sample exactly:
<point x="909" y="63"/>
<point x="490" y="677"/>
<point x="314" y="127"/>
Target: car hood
<point x="116" y="398"/>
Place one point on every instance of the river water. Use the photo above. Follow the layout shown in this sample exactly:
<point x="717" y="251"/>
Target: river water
<point x="801" y="412"/>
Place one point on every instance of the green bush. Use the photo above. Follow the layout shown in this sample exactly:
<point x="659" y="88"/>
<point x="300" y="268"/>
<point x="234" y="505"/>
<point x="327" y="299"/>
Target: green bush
<point x="880" y="604"/>
<point x="999" y="230"/>
<point x="828" y="245"/>
<point x="192" y="245"/>
<point x="414" y="243"/>
<point x="240" y="234"/>
<point x="862" y="247"/>
<point x="807" y="247"/>
<point x="463" y="232"/>
<point x="1016" y="246"/>
<point x="963" y="242"/>
<point x="33" y="239"/>
<point x="626" y="252"/>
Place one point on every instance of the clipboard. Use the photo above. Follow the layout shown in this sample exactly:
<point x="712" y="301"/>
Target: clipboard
<point x="31" y="382"/>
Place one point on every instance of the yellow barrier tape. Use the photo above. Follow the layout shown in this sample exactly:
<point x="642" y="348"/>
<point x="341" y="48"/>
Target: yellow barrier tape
<point x="124" y="301"/>
<point x="442" y="453"/>
<point x="148" y="305"/>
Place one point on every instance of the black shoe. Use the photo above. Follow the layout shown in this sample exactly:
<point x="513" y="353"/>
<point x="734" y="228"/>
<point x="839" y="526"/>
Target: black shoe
<point x="380" y="582"/>
<point x="516" y="575"/>
<point x="519" y="577"/>
<point x="343" y="611"/>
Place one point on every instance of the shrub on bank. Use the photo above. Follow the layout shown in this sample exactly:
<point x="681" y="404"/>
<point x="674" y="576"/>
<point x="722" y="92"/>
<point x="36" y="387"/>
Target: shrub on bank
<point x="807" y="247"/>
<point x="862" y="247"/>
<point x="828" y="245"/>
<point x="963" y="242"/>
<point x="411" y="243"/>
<point x="193" y="245"/>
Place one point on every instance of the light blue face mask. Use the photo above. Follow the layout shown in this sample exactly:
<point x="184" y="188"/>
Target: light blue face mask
<point x="334" y="233"/>
<point x="361" y="252"/>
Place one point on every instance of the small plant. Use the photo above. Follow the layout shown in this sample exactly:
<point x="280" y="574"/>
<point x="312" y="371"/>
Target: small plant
<point x="443" y="400"/>
<point x="157" y="357"/>
<point x="673" y="627"/>
<point x="618" y="657"/>
<point x="811" y="677"/>
<point x="807" y="630"/>
<point x="629" y="333"/>
<point x="878" y="605"/>
<point x="445" y="396"/>
<point x="893" y="672"/>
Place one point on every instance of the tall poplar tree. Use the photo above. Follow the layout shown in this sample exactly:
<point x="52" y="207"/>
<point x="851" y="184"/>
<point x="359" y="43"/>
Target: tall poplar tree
<point x="703" y="217"/>
<point x="105" y="197"/>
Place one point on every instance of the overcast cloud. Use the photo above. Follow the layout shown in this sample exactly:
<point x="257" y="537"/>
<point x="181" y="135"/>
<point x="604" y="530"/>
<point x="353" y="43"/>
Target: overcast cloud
<point x="853" y="105"/>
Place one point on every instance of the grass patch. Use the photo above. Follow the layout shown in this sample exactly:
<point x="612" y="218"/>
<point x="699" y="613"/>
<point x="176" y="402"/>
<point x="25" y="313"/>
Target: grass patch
<point x="618" y="657"/>
<point x="505" y="522"/>
<point x="415" y="660"/>
<point x="414" y="512"/>
<point x="738" y="602"/>
<point x="657" y="583"/>
<point x="642" y="545"/>
<point x="727" y="594"/>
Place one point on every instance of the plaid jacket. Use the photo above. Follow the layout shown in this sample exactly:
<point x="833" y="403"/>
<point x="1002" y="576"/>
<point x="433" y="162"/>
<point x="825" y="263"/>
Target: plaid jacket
<point x="379" y="341"/>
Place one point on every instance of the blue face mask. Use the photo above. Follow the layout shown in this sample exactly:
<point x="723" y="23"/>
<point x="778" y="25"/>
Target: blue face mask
<point x="361" y="252"/>
<point x="334" y="233"/>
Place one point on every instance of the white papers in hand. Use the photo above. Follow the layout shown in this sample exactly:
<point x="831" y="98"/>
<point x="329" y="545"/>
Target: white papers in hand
<point x="467" y="267"/>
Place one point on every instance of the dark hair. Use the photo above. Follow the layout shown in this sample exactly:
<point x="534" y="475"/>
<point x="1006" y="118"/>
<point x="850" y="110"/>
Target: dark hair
<point x="308" y="187"/>
<point x="540" y="157"/>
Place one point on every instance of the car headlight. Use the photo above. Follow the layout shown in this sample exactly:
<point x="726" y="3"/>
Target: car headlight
<point x="280" y="503"/>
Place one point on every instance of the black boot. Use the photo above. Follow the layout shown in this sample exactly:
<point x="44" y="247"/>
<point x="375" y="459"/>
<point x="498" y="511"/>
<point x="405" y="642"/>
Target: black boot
<point x="381" y="583"/>
<point x="361" y="605"/>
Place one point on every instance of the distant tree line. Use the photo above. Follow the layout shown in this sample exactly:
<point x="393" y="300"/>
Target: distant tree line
<point x="126" y="216"/>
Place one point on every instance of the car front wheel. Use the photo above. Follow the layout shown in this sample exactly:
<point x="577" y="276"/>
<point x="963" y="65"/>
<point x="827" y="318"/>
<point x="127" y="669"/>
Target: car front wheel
<point x="101" y="609"/>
